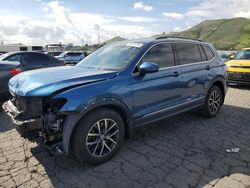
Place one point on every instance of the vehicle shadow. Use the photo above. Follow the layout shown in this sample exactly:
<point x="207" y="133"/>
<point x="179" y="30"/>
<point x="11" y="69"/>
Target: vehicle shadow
<point x="183" y="151"/>
<point x="244" y="87"/>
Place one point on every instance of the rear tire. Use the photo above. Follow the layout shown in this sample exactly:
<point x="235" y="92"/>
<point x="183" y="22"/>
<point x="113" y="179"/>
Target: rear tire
<point x="213" y="102"/>
<point x="98" y="136"/>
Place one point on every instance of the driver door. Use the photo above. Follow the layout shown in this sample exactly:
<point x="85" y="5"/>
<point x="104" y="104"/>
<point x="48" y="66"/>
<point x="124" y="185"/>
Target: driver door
<point x="156" y="93"/>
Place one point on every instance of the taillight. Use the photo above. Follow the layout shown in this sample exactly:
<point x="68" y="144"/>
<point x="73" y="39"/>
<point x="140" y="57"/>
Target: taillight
<point x="14" y="72"/>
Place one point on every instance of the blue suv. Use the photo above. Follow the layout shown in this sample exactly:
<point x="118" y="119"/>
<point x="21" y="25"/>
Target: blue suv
<point x="87" y="110"/>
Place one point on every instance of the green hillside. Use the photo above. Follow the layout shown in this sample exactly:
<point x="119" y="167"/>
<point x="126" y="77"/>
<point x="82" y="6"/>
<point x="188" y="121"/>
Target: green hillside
<point x="223" y="33"/>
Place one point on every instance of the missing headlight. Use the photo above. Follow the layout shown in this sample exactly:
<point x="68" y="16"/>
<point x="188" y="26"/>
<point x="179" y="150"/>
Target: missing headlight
<point x="52" y="119"/>
<point x="56" y="104"/>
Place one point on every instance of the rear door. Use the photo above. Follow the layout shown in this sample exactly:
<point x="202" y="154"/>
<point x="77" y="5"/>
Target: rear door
<point x="194" y="72"/>
<point x="155" y="93"/>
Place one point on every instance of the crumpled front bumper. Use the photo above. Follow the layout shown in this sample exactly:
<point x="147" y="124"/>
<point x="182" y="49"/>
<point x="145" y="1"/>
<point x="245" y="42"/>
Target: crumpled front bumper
<point x="26" y="127"/>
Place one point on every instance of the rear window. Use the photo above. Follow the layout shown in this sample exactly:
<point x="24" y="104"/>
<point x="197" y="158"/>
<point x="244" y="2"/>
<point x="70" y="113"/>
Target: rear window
<point x="188" y="53"/>
<point x="208" y="51"/>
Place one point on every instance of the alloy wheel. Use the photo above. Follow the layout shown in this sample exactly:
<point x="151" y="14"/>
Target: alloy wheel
<point x="214" y="101"/>
<point x="102" y="137"/>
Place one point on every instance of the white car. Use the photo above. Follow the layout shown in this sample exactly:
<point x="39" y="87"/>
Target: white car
<point x="72" y="57"/>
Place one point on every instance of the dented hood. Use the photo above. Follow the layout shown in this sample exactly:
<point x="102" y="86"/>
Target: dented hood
<point x="44" y="82"/>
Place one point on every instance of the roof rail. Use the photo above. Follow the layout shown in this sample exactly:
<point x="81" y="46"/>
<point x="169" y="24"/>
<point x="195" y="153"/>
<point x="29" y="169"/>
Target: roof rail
<point x="178" y="37"/>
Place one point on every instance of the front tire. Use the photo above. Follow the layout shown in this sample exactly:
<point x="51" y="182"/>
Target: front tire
<point x="213" y="102"/>
<point x="98" y="136"/>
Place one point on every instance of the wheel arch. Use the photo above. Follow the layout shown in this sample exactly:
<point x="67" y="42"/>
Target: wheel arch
<point x="73" y="119"/>
<point x="221" y="84"/>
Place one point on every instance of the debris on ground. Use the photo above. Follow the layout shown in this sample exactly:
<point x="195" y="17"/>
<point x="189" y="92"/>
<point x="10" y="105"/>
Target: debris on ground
<point x="233" y="150"/>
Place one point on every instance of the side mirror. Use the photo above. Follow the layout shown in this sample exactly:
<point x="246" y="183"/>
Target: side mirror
<point x="231" y="57"/>
<point x="148" y="67"/>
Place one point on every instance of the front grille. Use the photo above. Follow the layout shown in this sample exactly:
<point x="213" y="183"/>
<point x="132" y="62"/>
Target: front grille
<point x="244" y="67"/>
<point x="31" y="107"/>
<point x="239" y="76"/>
<point x="246" y="77"/>
<point x="19" y="102"/>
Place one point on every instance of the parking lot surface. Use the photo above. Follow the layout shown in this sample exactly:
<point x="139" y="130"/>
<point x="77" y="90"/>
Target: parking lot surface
<point x="184" y="151"/>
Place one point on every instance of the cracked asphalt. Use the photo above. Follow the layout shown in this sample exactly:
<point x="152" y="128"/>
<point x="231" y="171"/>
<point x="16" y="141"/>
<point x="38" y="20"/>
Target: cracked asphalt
<point x="183" y="151"/>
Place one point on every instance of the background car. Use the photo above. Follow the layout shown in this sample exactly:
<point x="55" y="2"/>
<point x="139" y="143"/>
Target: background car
<point x="239" y="68"/>
<point x="72" y="57"/>
<point x="16" y="62"/>
<point x="226" y="55"/>
<point x="32" y="60"/>
<point x="3" y="52"/>
<point x="8" y="69"/>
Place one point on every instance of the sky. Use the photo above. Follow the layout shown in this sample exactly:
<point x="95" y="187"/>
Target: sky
<point x="40" y="22"/>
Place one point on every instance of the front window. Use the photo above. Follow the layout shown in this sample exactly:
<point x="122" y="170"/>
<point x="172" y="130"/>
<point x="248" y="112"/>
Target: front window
<point x="161" y="54"/>
<point x="115" y="56"/>
<point x="243" y="55"/>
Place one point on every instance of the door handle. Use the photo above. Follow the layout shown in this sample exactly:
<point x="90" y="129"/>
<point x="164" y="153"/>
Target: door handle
<point x="208" y="67"/>
<point x="176" y="73"/>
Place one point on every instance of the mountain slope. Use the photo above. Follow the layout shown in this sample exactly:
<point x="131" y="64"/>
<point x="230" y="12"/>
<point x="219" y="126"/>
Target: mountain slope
<point x="223" y="33"/>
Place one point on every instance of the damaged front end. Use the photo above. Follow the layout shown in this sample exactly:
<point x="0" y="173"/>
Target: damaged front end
<point x="37" y="118"/>
<point x="25" y="113"/>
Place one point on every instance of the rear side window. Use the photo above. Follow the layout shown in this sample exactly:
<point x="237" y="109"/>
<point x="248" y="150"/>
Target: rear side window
<point x="24" y="58"/>
<point x="188" y="53"/>
<point x="74" y="54"/>
<point x="38" y="59"/>
<point x="69" y="54"/>
<point x="208" y="51"/>
<point x="162" y="54"/>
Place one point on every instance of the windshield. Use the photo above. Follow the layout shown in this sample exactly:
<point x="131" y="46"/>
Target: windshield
<point x="115" y="56"/>
<point x="62" y="54"/>
<point x="244" y="54"/>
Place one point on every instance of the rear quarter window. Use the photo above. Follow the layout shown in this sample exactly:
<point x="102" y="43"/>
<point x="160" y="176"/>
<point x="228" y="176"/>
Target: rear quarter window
<point x="203" y="55"/>
<point x="208" y="51"/>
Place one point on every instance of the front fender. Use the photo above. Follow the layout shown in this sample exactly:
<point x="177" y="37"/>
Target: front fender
<point x="74" y="117"/>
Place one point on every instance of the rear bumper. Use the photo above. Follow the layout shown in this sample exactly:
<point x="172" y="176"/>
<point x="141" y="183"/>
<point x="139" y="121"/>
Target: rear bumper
<point x="27" y="127"/>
